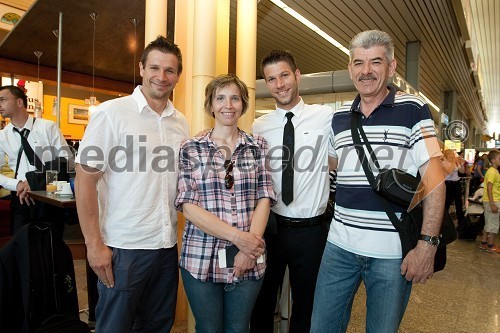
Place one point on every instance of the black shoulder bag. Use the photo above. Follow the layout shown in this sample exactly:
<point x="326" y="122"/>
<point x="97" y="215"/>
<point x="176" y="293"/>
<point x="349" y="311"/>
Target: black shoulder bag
<point x="36" y="179"/>
<point x="399" y="187"/>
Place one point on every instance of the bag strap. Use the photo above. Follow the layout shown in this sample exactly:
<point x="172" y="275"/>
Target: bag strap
<point x="30" y="154"/>
<point x="356" y="129"/>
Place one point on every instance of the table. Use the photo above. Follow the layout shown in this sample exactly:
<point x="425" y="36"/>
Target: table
<point x="68" y="201"/>
<point x="62" y="201"/>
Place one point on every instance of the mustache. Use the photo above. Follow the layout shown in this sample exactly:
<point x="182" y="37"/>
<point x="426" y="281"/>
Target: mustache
<point x="367" y="77"/>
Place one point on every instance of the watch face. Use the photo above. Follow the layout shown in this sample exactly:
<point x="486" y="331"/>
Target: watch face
<point x="434" y="240"/>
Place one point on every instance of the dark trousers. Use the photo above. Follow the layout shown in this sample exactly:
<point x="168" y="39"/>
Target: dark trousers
<point x="454" y="194"/>
<point x="475" y="183"/>
<point x="145" y="292"/>
<point x="301" y="249"/>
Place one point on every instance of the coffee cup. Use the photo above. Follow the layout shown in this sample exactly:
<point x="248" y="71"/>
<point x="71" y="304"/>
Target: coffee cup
<point x="60" y="184"/>
<point x="66" y="189"/>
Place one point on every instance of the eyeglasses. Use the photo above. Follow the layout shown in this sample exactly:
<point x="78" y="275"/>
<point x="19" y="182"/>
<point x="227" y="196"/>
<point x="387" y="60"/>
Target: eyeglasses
<point x="229" y="179"/>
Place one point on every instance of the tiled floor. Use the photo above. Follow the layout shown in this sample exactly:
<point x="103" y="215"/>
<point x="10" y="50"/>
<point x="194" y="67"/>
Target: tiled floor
<point x="463" y="298"/>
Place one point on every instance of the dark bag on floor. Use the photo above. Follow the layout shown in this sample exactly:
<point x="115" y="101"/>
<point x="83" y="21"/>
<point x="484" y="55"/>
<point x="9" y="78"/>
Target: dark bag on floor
<point x="471" y="227"/>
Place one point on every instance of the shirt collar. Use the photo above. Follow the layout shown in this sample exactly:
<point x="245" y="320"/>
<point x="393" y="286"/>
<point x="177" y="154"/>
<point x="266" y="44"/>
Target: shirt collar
<point x="388" y="100"/>
<point x="28" y="125"/>
<point x="142" y="103"/>
<point x="243" y="139"/>
<point x="296" y="110"/>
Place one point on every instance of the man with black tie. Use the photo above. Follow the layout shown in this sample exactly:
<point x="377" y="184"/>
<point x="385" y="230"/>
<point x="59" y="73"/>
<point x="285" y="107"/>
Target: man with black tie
<point x="43" y="136"/>
<point x="298" y="136"/>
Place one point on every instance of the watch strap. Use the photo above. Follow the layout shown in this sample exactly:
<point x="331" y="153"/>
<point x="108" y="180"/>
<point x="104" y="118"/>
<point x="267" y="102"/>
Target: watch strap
<point x="433" y="240"/>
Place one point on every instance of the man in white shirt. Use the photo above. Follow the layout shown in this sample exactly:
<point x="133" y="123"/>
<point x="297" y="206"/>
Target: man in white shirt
<point x="126" y="185"/>
<point x="297" y="229"/>
<point x="47" y="143"/>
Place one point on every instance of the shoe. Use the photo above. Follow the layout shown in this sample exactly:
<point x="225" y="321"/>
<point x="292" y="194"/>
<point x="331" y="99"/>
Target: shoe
<point x="483" y="246"/>
<point x="494" y="249"/>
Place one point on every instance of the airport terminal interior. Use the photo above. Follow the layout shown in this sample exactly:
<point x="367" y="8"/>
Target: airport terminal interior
<point x="71" y="55"/>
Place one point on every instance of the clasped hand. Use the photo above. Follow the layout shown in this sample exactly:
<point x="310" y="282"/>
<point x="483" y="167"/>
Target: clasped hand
<point x="250" y="244"/>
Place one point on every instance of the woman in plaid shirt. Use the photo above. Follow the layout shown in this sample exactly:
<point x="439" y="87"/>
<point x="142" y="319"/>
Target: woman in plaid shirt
<point x="225" y="193"/>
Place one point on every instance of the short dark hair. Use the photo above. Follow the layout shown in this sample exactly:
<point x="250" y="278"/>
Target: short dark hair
<point x="163" y="45"/>
<point x="276" y="56"/>
<point x="18" y="93"/>
<point x="222" y="81"/>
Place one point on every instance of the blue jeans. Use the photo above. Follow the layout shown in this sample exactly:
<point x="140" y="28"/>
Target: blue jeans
<point x="340" y="274"/>
<point x="220" y="307"/>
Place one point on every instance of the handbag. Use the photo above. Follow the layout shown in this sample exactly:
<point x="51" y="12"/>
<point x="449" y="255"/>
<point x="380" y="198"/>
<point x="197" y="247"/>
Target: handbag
<point x="36" y="178"/>
<point x="398" y="187"/>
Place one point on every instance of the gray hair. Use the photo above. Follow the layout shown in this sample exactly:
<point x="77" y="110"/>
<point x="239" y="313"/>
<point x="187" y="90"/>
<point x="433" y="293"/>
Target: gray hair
<point x="370" y="38"/>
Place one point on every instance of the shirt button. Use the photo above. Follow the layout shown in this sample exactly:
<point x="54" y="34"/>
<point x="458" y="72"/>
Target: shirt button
<point x="232" y="194"/>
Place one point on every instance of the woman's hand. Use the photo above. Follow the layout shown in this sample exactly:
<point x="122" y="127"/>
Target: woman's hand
<point x="242" y="263"/>
<point x="250" y="244"/>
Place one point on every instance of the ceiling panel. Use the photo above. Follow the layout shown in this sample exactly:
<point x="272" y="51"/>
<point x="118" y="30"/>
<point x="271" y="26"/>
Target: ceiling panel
<point x="443" y="62"/>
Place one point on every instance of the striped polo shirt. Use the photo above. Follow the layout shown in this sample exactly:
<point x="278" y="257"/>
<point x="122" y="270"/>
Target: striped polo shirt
<point x="396" y="130"/>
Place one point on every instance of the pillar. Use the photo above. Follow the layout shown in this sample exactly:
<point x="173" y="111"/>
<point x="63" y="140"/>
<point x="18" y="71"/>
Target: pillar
<point x="246" y="51"/>
<point x="156" y="20"/>
<point x="413" y="64"/>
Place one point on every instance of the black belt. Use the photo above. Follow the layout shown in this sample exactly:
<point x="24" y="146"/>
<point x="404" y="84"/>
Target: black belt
<point x="295" y="222"/>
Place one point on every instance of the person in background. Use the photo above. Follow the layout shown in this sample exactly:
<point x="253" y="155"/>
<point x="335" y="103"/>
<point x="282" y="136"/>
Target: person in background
<point x="491" y="202"/>
<point x="6" y="171"/>
<point x="126" y="183"/>
<point x="362" y="243"/>
<point x="480" y="169"/>
<point x="451" y="164"/>
<point x="225" y="194"/>
<point x="43" y="136"/>
<point x="463" y="170"/>
<point x="297" y="228"/>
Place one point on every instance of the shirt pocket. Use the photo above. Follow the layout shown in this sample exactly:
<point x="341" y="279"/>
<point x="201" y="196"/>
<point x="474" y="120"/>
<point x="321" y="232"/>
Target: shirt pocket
<point x="310" y="148"/>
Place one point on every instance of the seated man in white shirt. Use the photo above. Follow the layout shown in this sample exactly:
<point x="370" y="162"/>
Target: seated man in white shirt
<point x="45" y="139"/>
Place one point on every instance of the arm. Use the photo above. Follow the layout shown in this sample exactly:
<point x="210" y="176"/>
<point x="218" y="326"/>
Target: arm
<point x="418" y="265"/>
<point x="250" y="244"/>
<point x="449" y="166"/>
<point x="494" y="208"/>
<point x="258" y="225"/>
<point x="332" y="163"/>
<point x="98" y="254"/>
<point x="479" y="168"/>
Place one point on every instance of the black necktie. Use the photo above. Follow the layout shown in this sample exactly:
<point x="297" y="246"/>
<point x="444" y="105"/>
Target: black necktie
<point x="24" y="132"/>
<point x="287" y="164"/>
